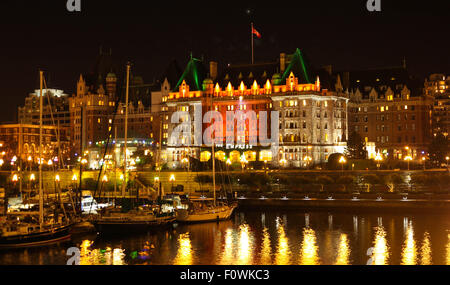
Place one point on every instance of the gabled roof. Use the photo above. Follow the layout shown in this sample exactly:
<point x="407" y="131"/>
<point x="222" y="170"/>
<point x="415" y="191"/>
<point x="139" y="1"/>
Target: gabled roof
<point x="301" y="68"/>
<point x="381" y="79"/>
<point x="247" y="73"/>
<point x="194" y="74"/>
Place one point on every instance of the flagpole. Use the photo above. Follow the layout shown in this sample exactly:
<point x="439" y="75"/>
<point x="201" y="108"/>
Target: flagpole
<point x="251" y="34"/>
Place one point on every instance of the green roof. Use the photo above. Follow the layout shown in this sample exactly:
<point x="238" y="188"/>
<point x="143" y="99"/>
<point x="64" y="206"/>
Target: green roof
<point x="194" y="74"/>
<point x="300" y="67"/>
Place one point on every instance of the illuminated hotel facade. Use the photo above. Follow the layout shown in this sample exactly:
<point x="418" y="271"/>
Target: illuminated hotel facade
<point x="312" y="118"/>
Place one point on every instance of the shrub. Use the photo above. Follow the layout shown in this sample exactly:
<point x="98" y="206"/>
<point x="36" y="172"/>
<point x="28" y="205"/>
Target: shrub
<point x="323" y="180"/>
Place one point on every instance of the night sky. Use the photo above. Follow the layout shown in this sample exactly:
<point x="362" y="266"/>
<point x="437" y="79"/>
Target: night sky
<point x="42" y="34"/>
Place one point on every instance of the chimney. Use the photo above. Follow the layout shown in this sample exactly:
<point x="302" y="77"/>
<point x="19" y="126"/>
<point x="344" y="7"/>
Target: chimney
<point x="282" y="62"/>
<point x="213" y="70"/>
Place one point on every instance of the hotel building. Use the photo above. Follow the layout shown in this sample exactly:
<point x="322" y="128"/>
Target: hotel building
<point x="312" y="112"/>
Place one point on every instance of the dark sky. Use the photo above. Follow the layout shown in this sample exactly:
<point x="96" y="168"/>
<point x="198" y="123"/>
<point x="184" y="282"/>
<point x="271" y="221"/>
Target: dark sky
<point x="42" y="34"/>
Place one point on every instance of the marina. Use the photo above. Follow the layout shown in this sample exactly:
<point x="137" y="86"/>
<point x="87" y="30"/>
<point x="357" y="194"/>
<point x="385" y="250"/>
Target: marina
<point x="264" y="237"/>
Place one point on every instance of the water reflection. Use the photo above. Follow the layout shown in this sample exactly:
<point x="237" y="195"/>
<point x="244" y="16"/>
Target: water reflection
<point x="409" y="250"/>
<point x="184" y="254"/>
<point x="283" y="254"/>
<point x="266" y="239"/>
<point x="227" y="253"/>
<point x="309" y="249"/>
<point x="343" y="257"/>
<point x="447" y="250"/>
<point x="266" y="251"/>
<point x="108" y="256"/>
<point x="380" y="254"/>
<point x="244" y="245"/>
<point x="425" y="250"/>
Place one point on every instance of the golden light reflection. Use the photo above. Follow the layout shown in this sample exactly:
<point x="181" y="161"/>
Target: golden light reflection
<point x="106" y="256"/>
<point x="381" y="248"/>
<point x="227" y="254"/>
<point x="266" y="251"/>
<point x="309" y="249"/>
<point x="283" y="254"/>
<point x="447" y="250"/>
<point x="425" y="250"/>
<point x="244" y="252"/>
<point x="184" y="254"/>
<point x="409" y="250"/>
<point x="343" y="257"/>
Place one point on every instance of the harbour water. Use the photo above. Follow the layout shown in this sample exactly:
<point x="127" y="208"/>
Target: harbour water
<point x="271" y="237"/>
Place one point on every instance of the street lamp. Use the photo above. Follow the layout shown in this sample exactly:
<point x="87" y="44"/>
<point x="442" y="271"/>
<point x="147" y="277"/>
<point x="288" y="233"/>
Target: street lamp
<point x="15" y="178"/>
<point x="57" y="179"/>
<point x="423" y="159"/>
<point x="447" y="158"/>
<point x="408" y="158"/>
<point x="74" y="178"/>
<point x="172" y="179"/>
<point x="105" y="178"/>
<point x="308" y="160"/>
<point x="378" y="159"/>
<point x="342" y="161"/>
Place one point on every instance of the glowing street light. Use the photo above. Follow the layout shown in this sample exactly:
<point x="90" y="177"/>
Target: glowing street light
<point x="156" y="178"/>
<point x="378" y="159"/>
<point x="308" y="160"/>
<point x="105" y="178"/>
<point x="50" y="162"/>
<point x="423" y="160"/>
<point x="228" y="161"/>
<point x="408" y="158"/>
<point x="15" y="178"/>
<point x="57" y="178"/>
<point x="32" y="177"/>
<point x="342" y="161"/>
<point x="29" y="158"/>
<point x="172" y="179"/>
<point x="74" y="178"/>
<point x="447" y="158"/>
<point x="1" y="161"/>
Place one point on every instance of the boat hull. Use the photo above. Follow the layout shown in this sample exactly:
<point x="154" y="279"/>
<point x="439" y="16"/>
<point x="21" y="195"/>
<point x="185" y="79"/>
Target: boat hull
<point x="123" y="227"/>
<point x="36" y="239"/>
<point x="184" y="217"/>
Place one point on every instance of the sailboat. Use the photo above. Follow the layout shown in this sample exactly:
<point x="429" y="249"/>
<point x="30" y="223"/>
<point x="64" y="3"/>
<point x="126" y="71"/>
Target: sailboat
<point x="206" y="209"/>
<point x="115" y="220"/>
<point x="16" y="233"/>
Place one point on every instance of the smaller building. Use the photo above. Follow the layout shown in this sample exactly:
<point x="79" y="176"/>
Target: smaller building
<point x="22" y="141"/>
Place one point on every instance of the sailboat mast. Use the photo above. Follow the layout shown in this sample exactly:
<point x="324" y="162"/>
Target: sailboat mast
<point x="126" y="133"/>
<point x="213" y="157"/>
<point x="41" y="194"/>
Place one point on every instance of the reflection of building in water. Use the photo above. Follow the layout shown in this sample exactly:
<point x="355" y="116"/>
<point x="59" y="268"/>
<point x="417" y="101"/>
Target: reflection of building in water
<point x="381" y="249"/>
<point x="343" y="257"/>
<point x="309" y="249"/>
<point x="106" y="256"/>
<point x="244" y="245"/>
<point x="266" y="251"/>
<point x="184" y="254"/>
<point x="227" y="253"/>
<point x="283" y="254"/>
<point x="409" y="250"/>
<point x="447" y="249"/>
<point x="425" y="250"/>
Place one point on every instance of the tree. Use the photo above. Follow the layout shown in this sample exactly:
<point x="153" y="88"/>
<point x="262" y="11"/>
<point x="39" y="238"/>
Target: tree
<point x="370" y="180"/>
<point x="393" y="180"/>
<point x="323" y="180"/>
<point x="439" y="148"/>
<point x="356" y="147"/>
